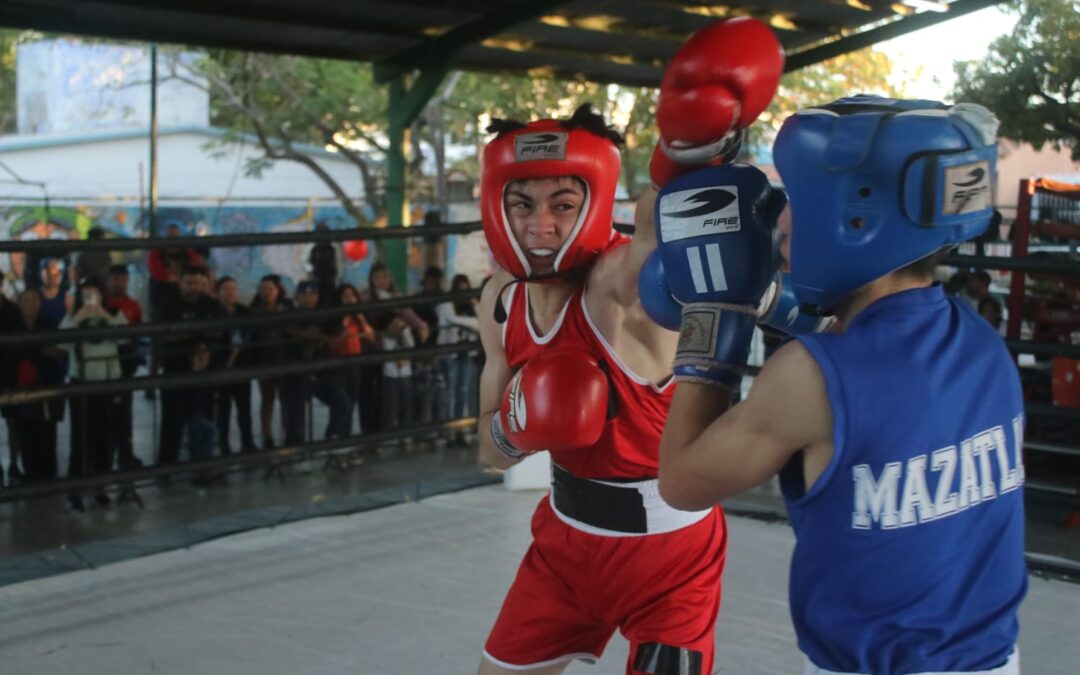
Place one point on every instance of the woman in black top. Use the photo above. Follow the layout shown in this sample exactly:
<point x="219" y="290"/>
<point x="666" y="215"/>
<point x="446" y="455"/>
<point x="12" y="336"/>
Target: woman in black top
<point x="33" y="367"/>
<point x="237" y="354"/>
<point x="268" y="347"/>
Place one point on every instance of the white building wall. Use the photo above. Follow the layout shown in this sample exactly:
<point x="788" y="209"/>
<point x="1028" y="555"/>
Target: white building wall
<point x="66" y="85"/>
<point x="76" y="168"/>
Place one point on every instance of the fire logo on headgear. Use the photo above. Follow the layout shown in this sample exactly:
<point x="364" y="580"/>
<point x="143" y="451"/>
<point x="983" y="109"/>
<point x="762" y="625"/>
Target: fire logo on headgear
<point x="967" y="188"/>
<point x="548" y="145"/>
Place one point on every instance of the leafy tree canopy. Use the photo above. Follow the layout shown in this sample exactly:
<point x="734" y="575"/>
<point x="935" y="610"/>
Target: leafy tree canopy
<point x="866" y="71"/>
<point x="1031" y="77"/>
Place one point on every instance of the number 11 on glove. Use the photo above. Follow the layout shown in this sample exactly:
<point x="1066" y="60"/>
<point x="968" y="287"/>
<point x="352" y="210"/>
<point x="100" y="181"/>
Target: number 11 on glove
<point x="715" y="242"/>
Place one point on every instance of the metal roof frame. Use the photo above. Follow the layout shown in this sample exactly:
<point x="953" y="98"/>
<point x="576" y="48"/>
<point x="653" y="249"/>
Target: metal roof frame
<point x="612" y="41"/>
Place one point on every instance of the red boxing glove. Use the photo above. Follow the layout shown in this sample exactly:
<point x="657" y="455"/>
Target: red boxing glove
<point x="716" y="85"/>
<point x="557" y="401"/>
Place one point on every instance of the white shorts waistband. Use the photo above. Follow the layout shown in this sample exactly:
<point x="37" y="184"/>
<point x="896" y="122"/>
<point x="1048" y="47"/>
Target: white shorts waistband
<point x="659" y="516"/>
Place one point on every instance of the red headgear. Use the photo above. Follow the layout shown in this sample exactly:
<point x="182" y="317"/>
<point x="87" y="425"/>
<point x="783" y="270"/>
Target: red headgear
<point x="546" y="149"/>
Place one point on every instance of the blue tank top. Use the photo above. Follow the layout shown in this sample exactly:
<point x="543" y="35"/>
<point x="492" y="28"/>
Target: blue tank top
<point x="54" y="309"/>
<point x="909" y="552"/>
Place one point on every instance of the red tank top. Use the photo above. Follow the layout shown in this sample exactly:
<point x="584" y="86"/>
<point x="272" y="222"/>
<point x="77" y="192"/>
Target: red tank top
<point x="629" y="446"/>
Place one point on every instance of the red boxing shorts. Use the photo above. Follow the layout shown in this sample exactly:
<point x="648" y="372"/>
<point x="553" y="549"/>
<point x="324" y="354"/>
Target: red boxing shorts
<point x="574" y="588"/>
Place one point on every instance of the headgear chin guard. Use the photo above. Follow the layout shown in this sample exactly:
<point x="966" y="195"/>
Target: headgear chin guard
<point x="877" y="183"/>
<point x="549" y="149"/>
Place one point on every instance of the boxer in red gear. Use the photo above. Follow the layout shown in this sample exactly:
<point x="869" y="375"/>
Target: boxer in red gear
<point x="608" y="553"/>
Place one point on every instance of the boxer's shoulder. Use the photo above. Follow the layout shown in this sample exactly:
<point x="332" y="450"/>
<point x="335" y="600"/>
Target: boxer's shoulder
<point x="609" y="278"/>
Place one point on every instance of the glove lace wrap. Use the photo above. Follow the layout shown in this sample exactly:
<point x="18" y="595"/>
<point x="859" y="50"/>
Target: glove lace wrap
<point x="501" y="441"/>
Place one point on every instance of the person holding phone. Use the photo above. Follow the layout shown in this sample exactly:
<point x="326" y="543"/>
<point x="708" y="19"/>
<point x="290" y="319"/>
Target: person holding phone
<point x="95" y="360"/>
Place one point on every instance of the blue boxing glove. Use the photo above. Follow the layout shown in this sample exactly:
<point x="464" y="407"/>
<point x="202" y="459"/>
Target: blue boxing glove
<point x="656" y="296"/>
<point x="780" y="311"/>
<point x="714" y="232"/>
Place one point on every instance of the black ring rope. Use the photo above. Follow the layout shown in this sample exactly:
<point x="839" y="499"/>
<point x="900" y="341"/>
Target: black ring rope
<point x="285" y="317"/>
<point x="216" y="378"/>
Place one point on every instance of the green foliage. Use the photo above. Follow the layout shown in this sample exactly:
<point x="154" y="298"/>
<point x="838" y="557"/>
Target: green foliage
<point x="479" y="97"/>
<point x="1031" y="77"/>
<point x="865" y="71"/>
<point x="10" y="39"/>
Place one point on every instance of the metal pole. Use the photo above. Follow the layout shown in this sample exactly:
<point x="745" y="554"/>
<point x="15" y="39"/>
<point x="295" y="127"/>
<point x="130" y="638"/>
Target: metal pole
<point x="153" y="142"/>
<point x="1020" y="234"/>
<point x="396" y="251"/>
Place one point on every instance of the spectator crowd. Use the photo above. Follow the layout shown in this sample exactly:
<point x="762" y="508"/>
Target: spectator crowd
<point x="196" y="422"/>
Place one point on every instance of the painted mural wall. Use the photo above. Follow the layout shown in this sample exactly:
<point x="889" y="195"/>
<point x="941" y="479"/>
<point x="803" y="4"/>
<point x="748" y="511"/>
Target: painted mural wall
<point x="248" y="264"/>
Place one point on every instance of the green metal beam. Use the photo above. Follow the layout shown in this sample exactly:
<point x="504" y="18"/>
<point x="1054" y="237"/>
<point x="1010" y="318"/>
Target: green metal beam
<point x="406" y="103"/>
<point x="889" y="31"/>
<point x="432" y="58"/>
<point x="443" y="48"/>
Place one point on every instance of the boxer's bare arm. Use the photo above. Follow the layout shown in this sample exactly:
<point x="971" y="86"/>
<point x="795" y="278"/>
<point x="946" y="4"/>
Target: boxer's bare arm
<point x="612" y="298"/>
<point x="644" y="241"/>
<point x="496" y="373"/>
<point x="707" y="454"/>
<point x="615" y="274"/>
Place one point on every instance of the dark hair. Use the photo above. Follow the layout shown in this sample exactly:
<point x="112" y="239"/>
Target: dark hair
<point x="434" y="272"/>
<point x="346" y="286"/>
<point x="195" y="270"/>
<point x="982" y="275"/>
<point x="462" y="307"/>
<point x="176" y="255"/>
<point x="583" y="118"/>
<point x="45" y="262"/>
<point x="380" y="266"/>
<point x="95" y="233"/>
<point x="954" y="283"/>
<point x="521" y="182"/>
<point x="222" y="281"/>
<point x="85" y="283"/>
<point x="118" y="270"/>
<point x="276" y="280"/>
<point x="923" y="268"/>
<point x="382" y="320"/>
<point x="991" y="301"/>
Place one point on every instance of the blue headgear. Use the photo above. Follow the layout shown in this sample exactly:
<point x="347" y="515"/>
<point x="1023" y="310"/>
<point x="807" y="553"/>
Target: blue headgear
<point x="877" y="183"/>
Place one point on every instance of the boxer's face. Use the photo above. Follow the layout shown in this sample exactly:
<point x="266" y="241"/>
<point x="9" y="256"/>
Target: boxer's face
<point x="542" y="213"/>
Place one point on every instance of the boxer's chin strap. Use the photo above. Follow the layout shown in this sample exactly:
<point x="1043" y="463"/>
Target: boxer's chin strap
<point x="500" y="309"/>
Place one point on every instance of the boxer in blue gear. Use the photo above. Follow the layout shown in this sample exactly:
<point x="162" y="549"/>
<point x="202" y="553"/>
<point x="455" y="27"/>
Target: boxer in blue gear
<point x="898" y="435"/>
